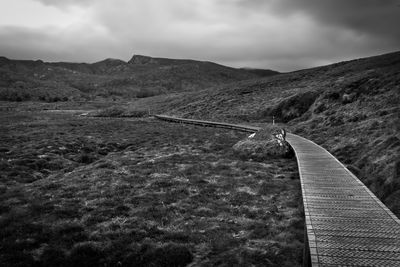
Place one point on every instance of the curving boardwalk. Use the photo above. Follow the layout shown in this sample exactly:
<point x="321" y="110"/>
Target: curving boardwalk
<point x="237" y="127"/>
<point x="346" y="224"/>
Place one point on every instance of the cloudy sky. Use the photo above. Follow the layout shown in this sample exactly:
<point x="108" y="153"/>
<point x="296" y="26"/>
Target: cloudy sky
<point x="283" y="35"/>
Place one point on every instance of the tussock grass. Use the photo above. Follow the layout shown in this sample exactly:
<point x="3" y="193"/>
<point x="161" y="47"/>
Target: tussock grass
<point x="118" y="111"/>
<point x="153" y="194"/>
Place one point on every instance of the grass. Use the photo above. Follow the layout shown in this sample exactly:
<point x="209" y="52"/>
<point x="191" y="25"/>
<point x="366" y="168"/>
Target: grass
<point x="118" y="111"/>
<point x="79" y="191"/>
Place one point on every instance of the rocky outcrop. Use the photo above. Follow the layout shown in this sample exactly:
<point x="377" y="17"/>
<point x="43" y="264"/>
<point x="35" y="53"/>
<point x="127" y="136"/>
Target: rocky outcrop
<point x="265" y="144"/>
<point x="142" y="60"/>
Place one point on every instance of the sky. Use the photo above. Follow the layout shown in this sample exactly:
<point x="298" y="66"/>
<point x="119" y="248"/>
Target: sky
<point x="283" y="35"/>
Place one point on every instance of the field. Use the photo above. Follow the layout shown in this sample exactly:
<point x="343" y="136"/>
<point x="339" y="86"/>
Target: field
<point x="79" y="191"/>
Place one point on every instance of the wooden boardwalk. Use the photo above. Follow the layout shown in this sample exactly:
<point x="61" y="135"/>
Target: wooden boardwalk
<point x="237" y="127"/>
<point x="346" y="224"/>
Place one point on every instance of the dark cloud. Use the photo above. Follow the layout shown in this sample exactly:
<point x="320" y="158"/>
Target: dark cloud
<point x="375" y="17"/>
<point x="52" y="45"/>
<point x="278" y="34"/>
<point x="65" y="3"/>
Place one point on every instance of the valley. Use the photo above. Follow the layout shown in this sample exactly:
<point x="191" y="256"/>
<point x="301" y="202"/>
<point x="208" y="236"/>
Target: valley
<point x="115" y="186"/>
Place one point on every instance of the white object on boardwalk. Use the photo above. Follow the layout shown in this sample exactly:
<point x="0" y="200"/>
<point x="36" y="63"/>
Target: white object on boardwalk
<point x="252" y="135"/>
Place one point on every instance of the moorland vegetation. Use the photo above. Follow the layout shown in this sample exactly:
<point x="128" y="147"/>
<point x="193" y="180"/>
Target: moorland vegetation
<point x="116" y="188"/>
<point x="87" y="191"/>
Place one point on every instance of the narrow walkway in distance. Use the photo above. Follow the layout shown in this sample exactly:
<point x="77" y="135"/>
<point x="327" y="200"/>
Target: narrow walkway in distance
<point x="346" y="224"/>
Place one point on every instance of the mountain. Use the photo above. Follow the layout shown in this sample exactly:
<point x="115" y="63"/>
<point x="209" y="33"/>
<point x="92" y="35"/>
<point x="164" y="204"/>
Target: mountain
<point x="141" y="76"/>
<point x="146" y="60"/>
<point x="351" y="108"/>
<point x="286" y="96"/>
<point x="261" y="72"/>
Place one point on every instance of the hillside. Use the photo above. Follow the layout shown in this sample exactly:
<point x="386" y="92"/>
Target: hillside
<point x="114" y="79"/>
<point x="351" y="108"/>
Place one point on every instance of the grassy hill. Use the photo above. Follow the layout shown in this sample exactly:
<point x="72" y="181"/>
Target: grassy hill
<point x="115" y="79"/>
<point x="351" y="108"/>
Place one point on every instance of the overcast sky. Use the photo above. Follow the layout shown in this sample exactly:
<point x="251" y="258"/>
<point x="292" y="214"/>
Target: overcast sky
<point x="283" y="35"/>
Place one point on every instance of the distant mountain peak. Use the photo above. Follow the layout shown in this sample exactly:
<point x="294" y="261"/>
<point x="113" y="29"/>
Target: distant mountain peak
<point x="4" y="60"/>
<point x="260" y="72"/>
<point x="142" y="60"/>
<point x="111" y="61"/>
<point x="146" y="60"/>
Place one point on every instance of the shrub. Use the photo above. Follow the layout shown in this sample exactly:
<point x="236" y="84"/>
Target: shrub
<point x="169" y="255"/>
<point x="356" y="171"/>
<point x="69" y="233"/>
<point x="136" y="113"/>
<point x="52" y="257"/>
<point x="85" y="254"/>
<point x="14" y="94"/>
<point x="396" y="170"/>
<point x="320" y="108"/>
<point x="148" y="92"/>
<point x="393" y="202"/>
<point x="172" y="255"/>
<point x="223" y="242"/>
<point x="86" y="158"/>
<point x="357" y="117"/>
<point x="335" y="121"/>
<point x="114" y="111"/>
<point x="258" y="257"/>
<point x="260" y="231"/>
<point x="331" y="95"/>
<point x="293" y="106"/>
<point x="268" y="188"/>
<point x="117" y="111"/>
<point x="16" y="258"/>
